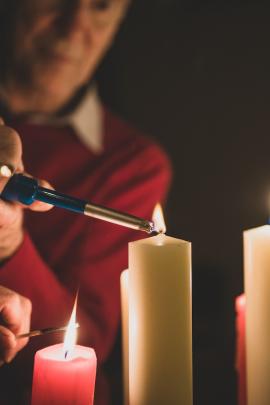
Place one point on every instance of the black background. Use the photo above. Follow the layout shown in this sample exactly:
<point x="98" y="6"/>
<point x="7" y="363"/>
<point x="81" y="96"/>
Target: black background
<point x="195" y="76"/>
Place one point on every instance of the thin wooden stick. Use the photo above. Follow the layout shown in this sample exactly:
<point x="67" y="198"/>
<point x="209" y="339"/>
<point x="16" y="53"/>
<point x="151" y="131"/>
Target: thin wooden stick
<point x="39" y="332"/>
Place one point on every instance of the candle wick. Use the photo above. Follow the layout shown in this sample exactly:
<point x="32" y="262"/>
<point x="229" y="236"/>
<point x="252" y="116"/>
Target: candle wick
<point x="158" y="232"/>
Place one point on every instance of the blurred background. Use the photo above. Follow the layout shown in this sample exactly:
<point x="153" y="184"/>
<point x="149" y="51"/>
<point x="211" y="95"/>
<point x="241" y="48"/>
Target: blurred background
<point x="194" y="75"/>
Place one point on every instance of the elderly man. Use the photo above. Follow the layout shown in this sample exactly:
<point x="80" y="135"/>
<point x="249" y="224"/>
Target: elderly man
<point x="50" y="50"/>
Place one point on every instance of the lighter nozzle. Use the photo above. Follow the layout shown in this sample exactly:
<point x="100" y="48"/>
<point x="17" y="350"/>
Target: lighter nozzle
<point x="117" y="217"/>
<point x="147" y="226"/>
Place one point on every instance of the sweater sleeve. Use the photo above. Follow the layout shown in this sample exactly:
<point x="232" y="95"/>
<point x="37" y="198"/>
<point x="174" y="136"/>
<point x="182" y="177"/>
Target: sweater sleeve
<point x="94" y="261"/>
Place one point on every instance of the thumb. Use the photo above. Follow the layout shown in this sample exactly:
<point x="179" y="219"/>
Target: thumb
<point x="10" y="153"/>
<point x="5" y="170"/>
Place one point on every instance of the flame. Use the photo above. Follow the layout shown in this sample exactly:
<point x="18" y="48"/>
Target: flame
<point x="158" y="219"/>
<point x="71" y="333"/>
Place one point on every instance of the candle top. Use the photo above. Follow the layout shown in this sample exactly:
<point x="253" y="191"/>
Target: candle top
<point x="160" y="240"/>
<point x="259" y="230"/>
<point x="56" y="353"/>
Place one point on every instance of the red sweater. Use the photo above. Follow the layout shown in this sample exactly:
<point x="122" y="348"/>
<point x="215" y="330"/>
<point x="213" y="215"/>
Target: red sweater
<point x="63" y="250"/>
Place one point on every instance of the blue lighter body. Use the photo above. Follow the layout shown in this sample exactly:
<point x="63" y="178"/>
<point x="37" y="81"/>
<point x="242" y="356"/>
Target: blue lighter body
<point x="26" y="190"/>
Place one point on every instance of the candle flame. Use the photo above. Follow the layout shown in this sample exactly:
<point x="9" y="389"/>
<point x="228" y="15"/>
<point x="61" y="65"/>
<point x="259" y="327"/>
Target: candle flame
<point x="71" y="333"/>
<point x="158" y="219"/>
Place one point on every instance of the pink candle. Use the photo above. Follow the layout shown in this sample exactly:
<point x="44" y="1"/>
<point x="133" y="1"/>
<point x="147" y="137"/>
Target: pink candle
<point x="65" y="374"/>
<point x="241" y="348"/>
<point x="63" y="381"/>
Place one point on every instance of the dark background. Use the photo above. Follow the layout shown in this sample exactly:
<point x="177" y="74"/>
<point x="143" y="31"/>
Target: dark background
<point x="195" y="76"/>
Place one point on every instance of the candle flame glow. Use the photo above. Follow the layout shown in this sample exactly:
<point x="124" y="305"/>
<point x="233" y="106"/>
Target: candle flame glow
<point x="71" y="333"/>
<point x="158" y="219"/>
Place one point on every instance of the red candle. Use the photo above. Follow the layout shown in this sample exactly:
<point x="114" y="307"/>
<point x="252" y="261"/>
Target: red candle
<point x="241" y="348"/>
<point x="61" y="381"/>
<point x="64" y="374"/>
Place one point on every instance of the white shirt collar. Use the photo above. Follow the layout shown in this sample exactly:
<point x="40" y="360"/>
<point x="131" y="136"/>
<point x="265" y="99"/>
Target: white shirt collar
<point x="86" y="120"/>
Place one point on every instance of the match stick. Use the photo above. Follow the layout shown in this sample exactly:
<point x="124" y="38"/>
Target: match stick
<point x="39" y="332"/>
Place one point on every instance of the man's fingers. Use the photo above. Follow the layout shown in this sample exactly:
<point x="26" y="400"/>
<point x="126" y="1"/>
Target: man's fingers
<point x="39" y="205"/>
<point x="8" y="344"/>
<point x="11" y="161"/>
<point x="10" y="213"/>
<point x="24" y="324"/>
<point x="15" y="312"/>
<point x="10" y="153"/>
<point x="6" y="171"/>
<point x="11" y="146"/>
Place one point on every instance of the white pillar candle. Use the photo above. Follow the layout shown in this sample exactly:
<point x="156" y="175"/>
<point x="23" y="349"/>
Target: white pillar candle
<point x="124" y="308"/>
<point x="257" y="290"/>
<point x="160" y="322"/>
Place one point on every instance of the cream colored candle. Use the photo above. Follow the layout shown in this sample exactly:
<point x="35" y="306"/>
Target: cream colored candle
<point x="124" y="308"/>
<point x="160" y="322"/>
<point x="257" y="290"/>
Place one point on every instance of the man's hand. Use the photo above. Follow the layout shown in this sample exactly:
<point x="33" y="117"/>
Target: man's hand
<point x="11" y="214"/>
<point x="15" y="313"/>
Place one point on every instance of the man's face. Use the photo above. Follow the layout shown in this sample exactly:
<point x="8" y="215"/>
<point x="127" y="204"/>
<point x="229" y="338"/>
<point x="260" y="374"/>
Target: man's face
<point x="60" y="42"/>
